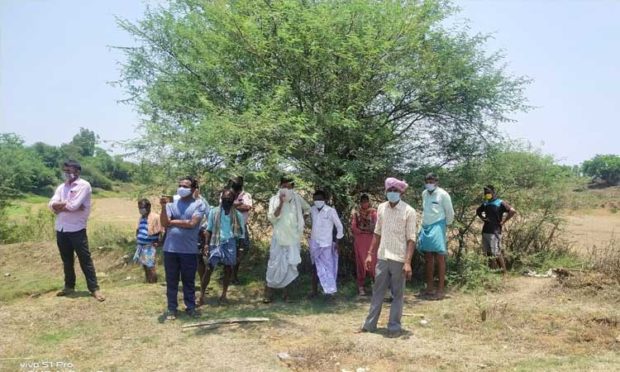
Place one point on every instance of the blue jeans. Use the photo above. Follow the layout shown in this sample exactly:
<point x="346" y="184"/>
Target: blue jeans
<point x="181" y="265"/>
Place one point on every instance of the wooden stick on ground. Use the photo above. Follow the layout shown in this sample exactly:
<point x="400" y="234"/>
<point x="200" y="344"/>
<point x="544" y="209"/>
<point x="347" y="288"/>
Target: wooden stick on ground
<point x="225" y="321"/>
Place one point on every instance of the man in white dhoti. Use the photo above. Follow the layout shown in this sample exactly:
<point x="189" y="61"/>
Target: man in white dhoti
<point x="323" y="249"/>
<point x="286" y="214"/>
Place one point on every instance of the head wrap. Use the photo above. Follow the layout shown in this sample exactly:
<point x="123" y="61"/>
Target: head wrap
<point x="398" y="184"/>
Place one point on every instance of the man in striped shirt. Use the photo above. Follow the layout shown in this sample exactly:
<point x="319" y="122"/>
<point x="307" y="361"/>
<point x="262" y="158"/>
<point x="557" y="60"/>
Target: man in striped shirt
<point x="147" y="239"/>
<point x="394" y="237"/>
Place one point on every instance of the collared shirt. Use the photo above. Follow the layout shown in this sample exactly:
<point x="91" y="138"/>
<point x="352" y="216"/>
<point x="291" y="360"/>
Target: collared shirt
<point x="245" y="199"/>
<point x="77" y="196"/>
<point x="396" y="225"/>
<point x="179" y="239"/>
<point x="323" y="222"/>
<point x="436" y="206"/>
<point x="286" y="227"/>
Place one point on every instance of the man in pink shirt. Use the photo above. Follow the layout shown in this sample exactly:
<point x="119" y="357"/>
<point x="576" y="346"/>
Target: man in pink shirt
<point x="71" y="204"/>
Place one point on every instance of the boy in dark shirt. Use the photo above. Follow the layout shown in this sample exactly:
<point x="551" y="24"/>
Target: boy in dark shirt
<point x="492" y="213"/>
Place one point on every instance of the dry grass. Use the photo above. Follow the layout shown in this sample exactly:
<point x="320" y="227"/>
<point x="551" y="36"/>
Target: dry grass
<point x="530" y="324"/>
<point x="533" y="324"/>
<point x="592" y="229"/>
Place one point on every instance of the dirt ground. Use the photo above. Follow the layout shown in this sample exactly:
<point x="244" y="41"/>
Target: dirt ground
<point x="529" y="324"/>
<point x="592" y="229"/>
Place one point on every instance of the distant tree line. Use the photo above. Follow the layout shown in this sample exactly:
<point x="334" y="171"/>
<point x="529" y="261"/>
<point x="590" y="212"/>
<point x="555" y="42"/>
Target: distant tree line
<point x="36" y="168"/>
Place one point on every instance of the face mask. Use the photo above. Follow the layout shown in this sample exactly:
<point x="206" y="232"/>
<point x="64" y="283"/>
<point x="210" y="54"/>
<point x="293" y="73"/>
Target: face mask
<point x="227" y="203"/>
<point x="393" y="196"/>
<point x="288" y="194"/>
<point x="143" y="211"/>
<point x="430" y="186"/>
<point x="488" y="196"/>
<point x="184" y="192"/>
<point x="319" y="203"/>
<point x="68" y="176"/>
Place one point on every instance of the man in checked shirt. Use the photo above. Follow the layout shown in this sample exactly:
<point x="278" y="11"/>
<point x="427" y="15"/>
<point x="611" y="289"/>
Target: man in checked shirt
<point x="394" y="237"/>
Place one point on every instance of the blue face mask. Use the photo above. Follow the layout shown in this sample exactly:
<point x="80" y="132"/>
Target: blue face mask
<point x="184" y="192"/>
<point x="393" y="196"/>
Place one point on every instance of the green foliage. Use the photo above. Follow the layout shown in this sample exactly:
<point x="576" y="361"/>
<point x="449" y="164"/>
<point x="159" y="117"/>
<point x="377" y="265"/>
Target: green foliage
<point x="85" y="142"/>
<point x="50" y="155"/>
<point x="21" y="168"/>
<point x="34" y="169"/>
<point x="339" y="93"/>
<point x="473" y="273"/>
<point x="605" y="167"/>
<point x="34" y="226"/>
<point x="96" y="177"/>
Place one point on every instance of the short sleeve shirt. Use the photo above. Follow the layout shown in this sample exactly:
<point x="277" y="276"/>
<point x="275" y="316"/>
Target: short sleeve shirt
<point x="494" y="213"/>
<point x="396" y="225"/>
<point x="178" y="239"/>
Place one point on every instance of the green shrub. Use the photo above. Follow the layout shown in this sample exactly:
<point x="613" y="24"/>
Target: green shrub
<point x="34" y="227"/>
<point x="472" y="272"/>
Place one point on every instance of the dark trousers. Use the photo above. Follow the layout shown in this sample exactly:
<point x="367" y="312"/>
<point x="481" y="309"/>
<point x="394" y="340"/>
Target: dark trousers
<point x="76" y="242"/>
<point x="181" y="265"/>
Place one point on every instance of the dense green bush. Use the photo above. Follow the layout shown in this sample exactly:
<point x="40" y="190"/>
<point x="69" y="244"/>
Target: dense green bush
<point x="605" y="167"/>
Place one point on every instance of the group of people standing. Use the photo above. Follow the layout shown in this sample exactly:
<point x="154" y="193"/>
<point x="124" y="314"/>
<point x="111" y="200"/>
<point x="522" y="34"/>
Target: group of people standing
<point x="196" y="238"/>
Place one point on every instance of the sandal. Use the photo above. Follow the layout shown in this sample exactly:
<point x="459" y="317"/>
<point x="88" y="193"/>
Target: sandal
<point x="426" y="294"/>
<point x="65" y="292"/>
<point x="438" y="296"/>
<point x="171" y="315"/>
<point x="98" y="296"/>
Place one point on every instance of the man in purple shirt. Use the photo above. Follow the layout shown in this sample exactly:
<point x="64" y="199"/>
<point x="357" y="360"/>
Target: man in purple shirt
<point x="71" y="204"/>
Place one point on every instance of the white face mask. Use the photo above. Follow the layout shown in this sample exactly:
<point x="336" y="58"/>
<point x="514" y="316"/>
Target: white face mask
<point x="319" y="203"/>
<point x="68" y="176"/>
<point x="431" y="186"/>
<point x="184" y="192"/>
<point x="288" y="194"/>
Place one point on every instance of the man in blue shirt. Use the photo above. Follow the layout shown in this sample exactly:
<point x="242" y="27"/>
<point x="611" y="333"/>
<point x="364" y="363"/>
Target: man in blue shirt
<point x="181" y="218"/>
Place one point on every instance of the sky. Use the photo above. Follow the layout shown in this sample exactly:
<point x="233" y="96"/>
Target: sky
<point x="56" y="66"/>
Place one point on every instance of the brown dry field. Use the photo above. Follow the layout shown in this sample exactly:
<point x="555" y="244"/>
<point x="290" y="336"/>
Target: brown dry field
<point x="592" y="229"/>
<point x="531" y="323"/>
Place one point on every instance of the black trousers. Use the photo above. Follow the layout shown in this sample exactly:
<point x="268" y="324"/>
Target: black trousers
<point x="76" y="242"/>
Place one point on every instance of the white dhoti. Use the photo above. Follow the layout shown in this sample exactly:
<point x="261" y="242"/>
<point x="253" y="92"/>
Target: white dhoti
<point x="325" y="260"/>
<point x="282" y="265"/>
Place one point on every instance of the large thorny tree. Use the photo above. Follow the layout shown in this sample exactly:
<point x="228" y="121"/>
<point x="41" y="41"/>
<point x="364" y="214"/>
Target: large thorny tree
<point x="341" y="93"/>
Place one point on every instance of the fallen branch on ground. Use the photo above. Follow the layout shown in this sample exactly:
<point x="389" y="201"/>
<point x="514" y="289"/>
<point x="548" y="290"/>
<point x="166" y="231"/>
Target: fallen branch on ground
<point x="225" y="321"/>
